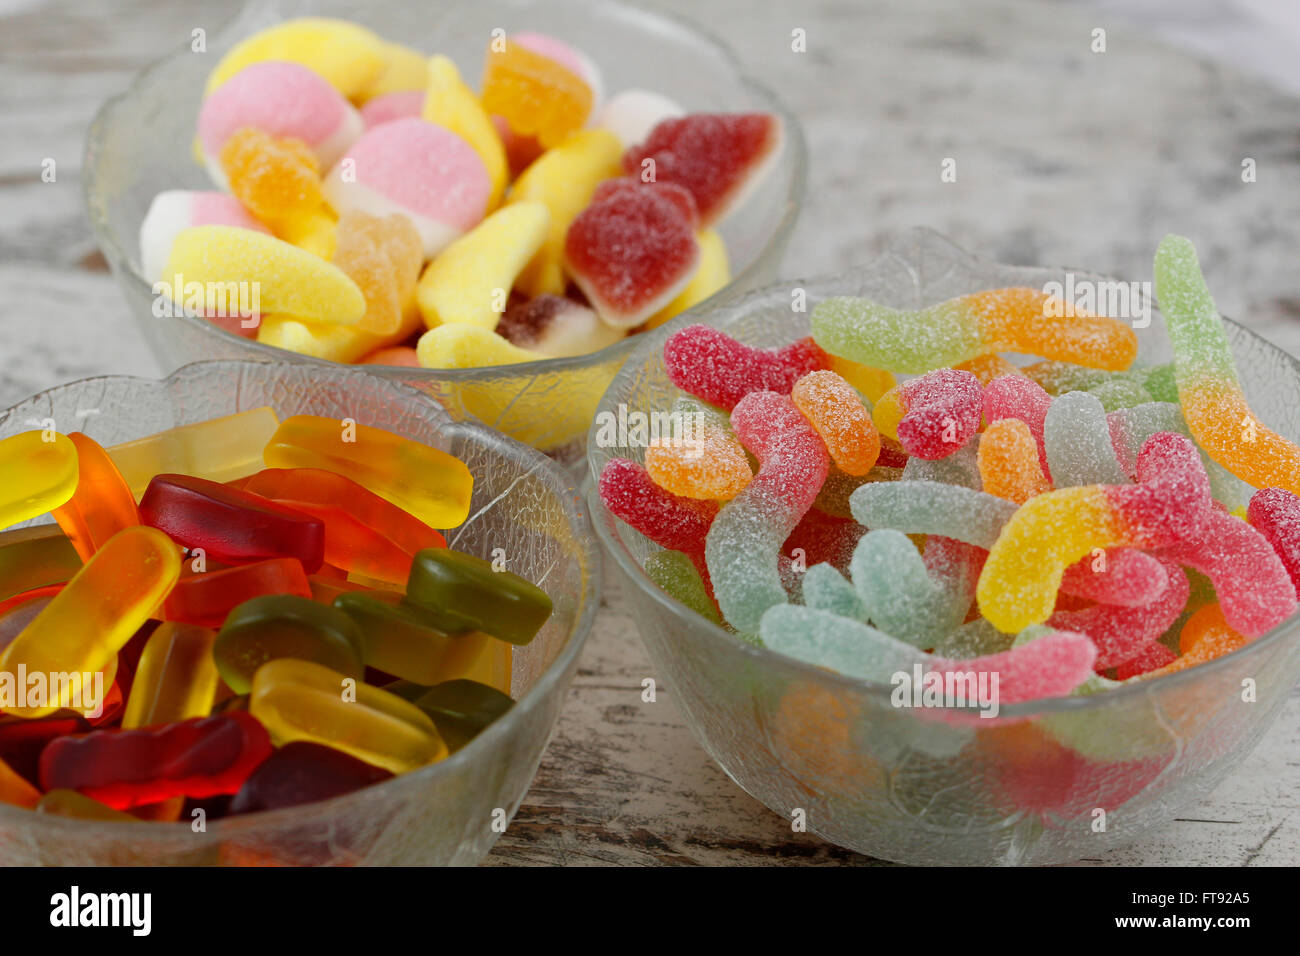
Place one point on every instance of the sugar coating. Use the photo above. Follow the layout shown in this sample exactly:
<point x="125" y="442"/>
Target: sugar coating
<point x="1206" y="635"/>
<point x="675" y="573"/>
<point x="556" y="327"/>
<point x="942" y="413"/>
<point x="349" y="57"/>
<point x="963" y="328"/>
<point x="452" y="105"/>
<point x="175" y="209"/>
<point x="1052" y="665"/>
<point x="669" y="521"/>
<point x="1122" y="633"/>
<point x="1061" y="377"/>
<point x="1023" y="399"/>
<point x="838" y="488"/>
<point x="1253" y="585"/>
<point x="1077" y="438"/>
<point x="975" y="638"/>
<point x="1213" y="403"/>
<point x="1051" y="531"/>
<point x="277" y="180"/>
<point x="1120" y="393"/>
<point x="711" y="365"/>
<point x="537" y="95"/>
<point x="915" y="599"/>
<point x="835" y="411"/>
<point x="1154" y="657"/>
<point x="839" y="643"/>
<point x="959" y="468"/>
<point x="383" y="257"/>
<point x="1275" y="514"/>
<point x="927" y="507"/>
<point x="826" y="589"/>
<point x="743" y="546"/>
<point x="721" y="158"/>
<point x="705" y="461"/>
<point x="1131" y="427"/>
<point x="392" y="106"/>
<point x="1121" y="576"/>
<point x="1007" y="462"/>
<point x="988" y="367"/>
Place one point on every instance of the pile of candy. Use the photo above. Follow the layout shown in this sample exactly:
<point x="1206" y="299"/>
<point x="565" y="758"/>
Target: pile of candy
<point x="1070" y="525"/>
<point x="439" y="227"/>
<point x="241" y="614"/>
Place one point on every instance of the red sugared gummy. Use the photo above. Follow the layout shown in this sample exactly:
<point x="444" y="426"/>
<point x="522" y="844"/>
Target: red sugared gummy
<point x="669" y="521"/>
<point x="1275" y="513"/>
<point x="714" y="155"/>
<point x="1123" y="633"/>
<point x="793" y="458"/>
<point x="1050" y="666"/>
<point x="713" y="366"/>
<point x="943" y="413"/>
<point x="1128" y="577"/>
<point x="679" y="196"/>
<point x="631" y="253"/>
<point x="1014" y="396"/>
<point x="1154" y="657"/>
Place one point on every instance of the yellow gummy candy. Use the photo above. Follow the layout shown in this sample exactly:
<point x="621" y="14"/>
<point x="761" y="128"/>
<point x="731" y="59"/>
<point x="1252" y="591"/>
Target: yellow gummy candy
<point x="85" y="625"/>
<point x="713" y="272"/>
<point x="453" y="105"/>
<point x="328" y="340"/>
<point x="300" y="700"/>
<point x="869" y="381"/>
<point x="469" y="280"/>
<point x="404" y="70"/>
<point x="289" y="280"/>
<point x="39" y="475"/>
<point x="176" y="678"/>
<point x="564" y="178"/>
<point x="888" y="412"/>
<point x="348" y="56"/>
<point x="468" y="346"/>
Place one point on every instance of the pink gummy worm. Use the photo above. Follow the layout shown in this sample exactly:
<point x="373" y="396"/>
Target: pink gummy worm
<point x="1014" y="396"/>
<point x="1123" y="633"/>
<point x="1128" y="577"/>
<point x="792" y="456"/>
<point x="713" y="366"/>
<point x="943" y="412"/>
<point x="1275" y="513"/>
<point x="1050" y="666"/>
<point x="666" y="519"/>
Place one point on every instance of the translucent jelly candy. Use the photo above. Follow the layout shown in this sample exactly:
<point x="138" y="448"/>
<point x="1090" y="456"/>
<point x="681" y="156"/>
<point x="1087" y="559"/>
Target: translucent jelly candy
<point x="705" y="460"/>
<point x="959" y="468"/>
<point x="988" y="367"/>
<point x="461" y="709"/>
<point x="285" y="626"/>
<point x="666" y="519"/>
<point x="826" y="589"/>
<point x="176" y="678"/>
<point x="429" y="484"/>
<point x="1120" y="393"/>
<point x="564" y="179"/>
<point x="205" y="599"/>
<point x="934" y="415"/>
<point x="15" y="790"/>
<point x="842" y="644"/>
<point x="928" y="507"/>
<point x="676" y="574"/>
<point x="1077" y="438"/>
<point x="999" y="320"/>
<point x="1122" y="633"/>
<point x="835" y="411"/>
<point x="449" y="103"/>
<point x="632" y="250"/>
<point x="1008" y="462"/>
<point x="303" y="772"/>
<point x="34" y="557"/>
<point x="130" y="768"/>
<point x="383" y="257"/>
<point x="744" y="541"/>
<point x="537" y="95"/>
<point x="1213" y="403"/>
<point x="92" y="618"/>
<point x="1131" y="427"/>
<point x="277" y="179"/>
<point x="1252" y="583"/>
<point x="101" y="506"/>
<point x="40" y="475"/>
<point x="417" y="168"/>
<point x="913" y="598"/>
<point x="713" y="366"/>
<point x="1275" y="514"/>
<point x="1020" y="579"/>
<point x="719" y="157"/>
<point x="556" y="327"/>
<point x="400" y="638"/>
<point x="1205" y="636"/>
<point x="462" y="284"/>
<point x="218" y="449"/>
<point x="69" y="803"/>
<point x="290" y="280"/>
<point x="1053" y="665"/>
<point x="466" y="593"/>
<point x="1119" y="576"/>
<point x="350" y="57"/>
<point x="300" y="700"/>
<point x="228" y="524"/>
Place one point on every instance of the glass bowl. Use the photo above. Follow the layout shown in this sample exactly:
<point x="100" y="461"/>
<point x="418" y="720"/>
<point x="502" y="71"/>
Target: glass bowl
<point x="1045" y="782"/>
<point x="443" y="813"/>
<point x="139" y="144"/>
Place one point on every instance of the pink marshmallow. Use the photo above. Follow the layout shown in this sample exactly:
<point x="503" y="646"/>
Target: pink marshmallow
<point x="282" y="99"/>
<point x="177" y="209"/>
<point x="392" y="106"/>
<point x="418" y="169"/>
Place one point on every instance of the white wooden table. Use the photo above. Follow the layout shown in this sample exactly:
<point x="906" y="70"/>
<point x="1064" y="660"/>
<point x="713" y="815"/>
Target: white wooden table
<point x="1064" y="156"/>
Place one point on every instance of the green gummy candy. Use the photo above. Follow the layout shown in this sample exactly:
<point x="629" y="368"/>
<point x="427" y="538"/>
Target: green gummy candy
<point x="401" y="639"/>
<point x="464" y="593"/>
<point x="460" y="709"/>
<point x="913" y="342"/>
<point x="285" y="625"/>
<point x="33" y="558"/>
<point x="930" y="507"/>
<point x="838" y="643"/>
<point x="825" y="589"/>
<point x="676" y="574"/>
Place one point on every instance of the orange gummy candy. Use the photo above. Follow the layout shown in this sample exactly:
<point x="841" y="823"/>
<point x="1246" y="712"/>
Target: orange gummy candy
<point x="279" y="182"/>
<point x="383" y="257"/>
<point x="988" y="367"/>
<point x="534" y="94"/>
<point x="1008" y="461"/>
<point x="837" y="414"/>
<point x="1205" y="636"/>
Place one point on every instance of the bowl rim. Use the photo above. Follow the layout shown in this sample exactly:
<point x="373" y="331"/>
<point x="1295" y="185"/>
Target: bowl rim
<point x="118" y="249"/>
<point x="604" y="522"/>
<point x="588" y="604"/>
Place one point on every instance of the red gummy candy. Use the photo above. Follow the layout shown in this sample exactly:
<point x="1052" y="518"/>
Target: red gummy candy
<point x="304" y="772"/>
<point x="206" y="599"/>
<point x="1014" y="396"/>
<point x="1275" y="513"/>
<point x="713" y="366"/>
<point x="1153" y="657"/>
<point x="229" y="524"/>
<point x="632" y="252"/>
<point x="717" y="156"/>
<point x="201" y="757"/>
<point x="677" y="195"/>
<point x="669" y="521"/>
<point x="1123" y="633"/>
<point x="943" y="413"/>
<point x="1127" y="577"/>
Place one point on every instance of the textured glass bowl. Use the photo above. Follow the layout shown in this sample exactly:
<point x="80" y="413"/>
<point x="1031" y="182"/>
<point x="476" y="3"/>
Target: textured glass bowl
<point x="443" y="813"/>
<point x="139" y="144"/>
<point x="904" y="785"/>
